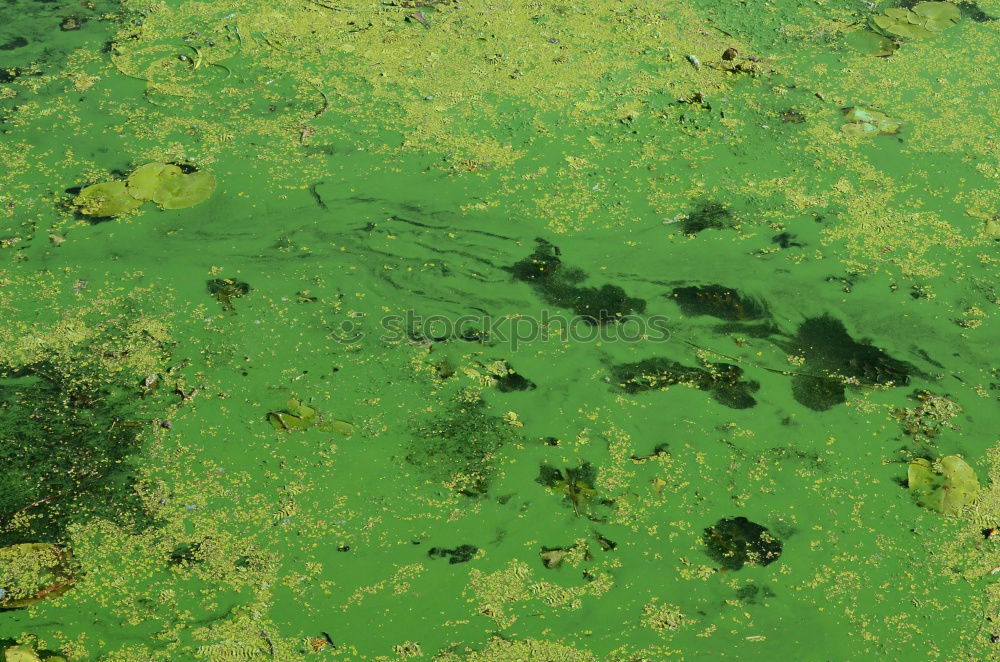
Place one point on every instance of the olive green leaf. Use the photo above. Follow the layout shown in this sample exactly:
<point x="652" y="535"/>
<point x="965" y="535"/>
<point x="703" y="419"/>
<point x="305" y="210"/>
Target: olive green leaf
<point x="944" y="488"/>
<point x="105" y="199"/>
<point x="867" y="42"/>
<point x="32" y="572"/>
<point x="178" y="190"/>
<point x="144" y="182"/>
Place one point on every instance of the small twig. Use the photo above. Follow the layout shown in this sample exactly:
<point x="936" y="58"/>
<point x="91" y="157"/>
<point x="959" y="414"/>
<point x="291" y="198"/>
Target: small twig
<point x="32" y="505"/>
<point x="270" y="644"/>
<point x="326" y="6"/>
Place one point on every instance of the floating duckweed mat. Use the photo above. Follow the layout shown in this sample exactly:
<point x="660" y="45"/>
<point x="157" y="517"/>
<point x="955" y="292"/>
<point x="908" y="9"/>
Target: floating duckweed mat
<point x="362" y="330"/>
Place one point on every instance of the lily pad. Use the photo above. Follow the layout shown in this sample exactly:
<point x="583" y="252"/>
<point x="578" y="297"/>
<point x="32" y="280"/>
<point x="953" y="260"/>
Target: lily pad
<point x="867" y="42"/>
<point x="145" y="182"/>
<point x="21" y="653"/>
<point x="178" y="190"/>
<point x="944" y="488"/>
<point x="32" y="572"/>
<point x="864" y="122"/>
<point x="926" y="19"/>
<point x="938" y="10"/>
<point x="295" y="416"/>
<point x="105" y="199"/>
<point x="338" y="426"/>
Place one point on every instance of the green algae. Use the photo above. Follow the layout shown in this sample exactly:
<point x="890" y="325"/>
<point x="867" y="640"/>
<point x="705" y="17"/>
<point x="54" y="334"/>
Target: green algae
<point x="381" y="165"/>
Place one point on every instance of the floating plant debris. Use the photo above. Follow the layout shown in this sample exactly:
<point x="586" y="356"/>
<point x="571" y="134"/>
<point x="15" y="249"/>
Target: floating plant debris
<point x="945" y="486"/>
<point x="163" y="183"/>
<point x="225" y="290"/>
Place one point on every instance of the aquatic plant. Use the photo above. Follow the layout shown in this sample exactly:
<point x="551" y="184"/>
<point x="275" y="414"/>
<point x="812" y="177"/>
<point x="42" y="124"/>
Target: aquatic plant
<point x="872" y="43"/>
<point x="930" y="417"/>
<point x="946" y="486"/>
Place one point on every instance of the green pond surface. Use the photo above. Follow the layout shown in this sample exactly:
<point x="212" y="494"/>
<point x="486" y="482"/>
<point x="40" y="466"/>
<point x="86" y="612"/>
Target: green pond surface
<point x="474" y="330"/>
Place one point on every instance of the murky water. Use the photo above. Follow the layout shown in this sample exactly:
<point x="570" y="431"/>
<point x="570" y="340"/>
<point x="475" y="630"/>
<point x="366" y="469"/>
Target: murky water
<point x="484" y="331"/>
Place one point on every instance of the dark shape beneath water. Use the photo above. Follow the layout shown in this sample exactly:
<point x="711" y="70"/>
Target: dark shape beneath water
<point x="723" y="380"/>
<point x="735" y="542"/>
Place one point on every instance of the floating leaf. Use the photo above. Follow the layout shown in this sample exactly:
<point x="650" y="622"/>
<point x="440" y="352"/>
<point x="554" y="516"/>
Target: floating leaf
<point x="925" y="20"/>
<point x="864" y="122"/>
<point x="23" y="653"/>
<point x="105" y="199"/>
<point x="945" y="489"/>
<point x="338" y="426"/>
<point x="145" y="182"/>
<point x="178" y="190"/>
<point x="937" y="10"/>
<point x="296" y="416"/>
<point x="867" y="42"/>
<point x="32" y="572"/>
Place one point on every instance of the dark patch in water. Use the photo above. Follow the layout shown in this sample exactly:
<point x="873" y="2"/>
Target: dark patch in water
<point x="225" y="290"/>
<point x="461" y="445"/>
<point x="717" y="301"/>
<point x="735" y="542"/>
<point x="722" y="380"/>
<point x="560" y="286"/>
<point x="64" y="454"/>
<point x="511" y="381"/>
<point x="461" y="554"/>
<point x="834" y="360"/>
<point x="707" y="215"/>
<point x="16" y="42"/>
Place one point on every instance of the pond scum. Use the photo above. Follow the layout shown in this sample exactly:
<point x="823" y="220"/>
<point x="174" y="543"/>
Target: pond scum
<point x="217" y="448"/>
